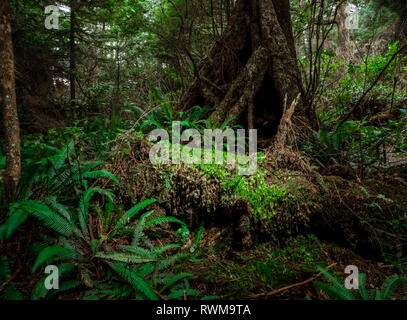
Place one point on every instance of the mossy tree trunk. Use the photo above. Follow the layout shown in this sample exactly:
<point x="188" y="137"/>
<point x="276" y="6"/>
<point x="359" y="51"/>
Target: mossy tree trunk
<point x="251" y="69"/>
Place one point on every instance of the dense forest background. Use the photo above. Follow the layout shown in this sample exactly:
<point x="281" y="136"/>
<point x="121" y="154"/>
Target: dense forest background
<point x="82" y="85"/>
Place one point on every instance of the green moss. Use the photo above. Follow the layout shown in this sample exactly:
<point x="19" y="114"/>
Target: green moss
<point x="262" y="196"/>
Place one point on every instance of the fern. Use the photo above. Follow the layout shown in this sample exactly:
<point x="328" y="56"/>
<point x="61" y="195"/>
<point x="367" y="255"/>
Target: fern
<point x="173" y="280"/>
<point x="181" y="293"/>
<point x="12" y="293"/>
<point x="362" y="287"/>
<point x="49" y="218"/>
<point x="390" y="285"/>
<point x="84" y="206"/>
<point x="338" y="291"/>
<point x="51" y="252"/>
<point x="97" y="174"/>
<point x="162" y="220"/>
<point x="197" y="239"/>
<point x="138" y="231"/>
<point x="139" y="251"/>
<point x="59" y="208"/>
<point x="40" y="292"/>
<point x="165" y="263"/>
<point x="166" y="247"/>
<point x="334" y="292"/>
<point x="16" y="217"/>
<point x="4" y="269"/>
<point x="133" y="211"/>
<point x="9" y="292"/>
<point x="135" y="280"/>
<point x="125" y="257"/>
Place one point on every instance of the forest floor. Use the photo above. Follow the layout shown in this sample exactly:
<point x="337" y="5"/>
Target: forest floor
<point x="330" y="219"/>
<point x="255" y="249"/>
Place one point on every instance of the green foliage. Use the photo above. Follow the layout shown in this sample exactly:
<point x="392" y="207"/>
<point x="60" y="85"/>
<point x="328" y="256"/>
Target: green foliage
<point x="142" y="259"/>
<point x="198" y="238"/>
<point x="285" y="264"/>
<point x="7" y="291"/>
<point x="135" y="281"/>
<point x="262" y="196"/>
<point x="328" y="146"/>
<point x="162" y="115"/>
<point x="358" y="143"/>
<point x="49" y="176"/>
<point x="338" y="291"/>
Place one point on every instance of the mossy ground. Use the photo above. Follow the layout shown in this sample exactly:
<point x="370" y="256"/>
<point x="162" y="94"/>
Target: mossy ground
<point x="269" y="266"/>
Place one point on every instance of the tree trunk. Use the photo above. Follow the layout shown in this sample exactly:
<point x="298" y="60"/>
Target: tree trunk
<point x="72" y="61"/>
<point x="251" y="69"/>
<point x="346" y="48"/>
<point x="8" y="101"/>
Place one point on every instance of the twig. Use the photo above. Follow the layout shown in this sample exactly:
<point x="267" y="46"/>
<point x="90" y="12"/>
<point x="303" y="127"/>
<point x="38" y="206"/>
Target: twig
<point x="160" y="295"/>
<point x="299" y="284"/>
<point x="372" y="85"/>
<point x="12" y="277"/>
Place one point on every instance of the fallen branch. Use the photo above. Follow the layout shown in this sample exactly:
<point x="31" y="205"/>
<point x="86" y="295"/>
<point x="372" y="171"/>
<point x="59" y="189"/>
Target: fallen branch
<point x="299" y="284"/>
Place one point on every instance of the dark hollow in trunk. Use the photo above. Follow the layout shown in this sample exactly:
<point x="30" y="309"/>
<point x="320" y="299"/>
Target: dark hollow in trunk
<point x="251" y="69"/>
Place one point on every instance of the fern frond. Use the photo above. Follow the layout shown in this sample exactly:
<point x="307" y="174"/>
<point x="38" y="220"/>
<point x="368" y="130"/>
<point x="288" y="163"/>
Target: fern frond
<point x="59" y="208"/>
<point x="12" y="293"/>
<point x="179" y="294"/>
<point x="138" y="230"/>
<point x="51" y="252"/>
<point x="165" y="263"/>
<point x="166" y="247"/>
<point x="139" y="251"/>
<point x="334" y="292"/>
<point x="173" y="280"/>
<point x="49" y="218"/>
<point x="337" y="289"/>
<point x="198" y="238"/>
<point x="124" y="257"/>
<point x="97" y="174"/>
<point x="390" y="285"/>
<point x="70" y="175"/>
<point x="16" y="218"/>
<point x="362" y="286"/>
<point x="60" y="157"/>
<point x="4" y="268"/>
<point x="133" y="211"/>
<point x="65" y="286"/>
<point x="84" y="205"/>
<point x="135" y="281"/>
<point x="162" y="220"/>
<point x="40" y="292"/>
<point x="330" y="277"/>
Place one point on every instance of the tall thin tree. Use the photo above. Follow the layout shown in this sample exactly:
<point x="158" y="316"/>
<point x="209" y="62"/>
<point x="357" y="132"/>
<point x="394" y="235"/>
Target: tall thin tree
<point x="8" y="102"/>
<point x="72" y="59"/>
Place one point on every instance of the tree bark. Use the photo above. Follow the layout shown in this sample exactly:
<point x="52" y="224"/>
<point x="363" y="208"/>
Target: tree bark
<point x="250" y="71"/>
<point x="346" y="48"/>
<point x="72" y="61"/>
<point x="9" y="106"/>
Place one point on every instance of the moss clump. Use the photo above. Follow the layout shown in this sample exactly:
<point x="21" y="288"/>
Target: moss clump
<point x="262" y="196"/>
